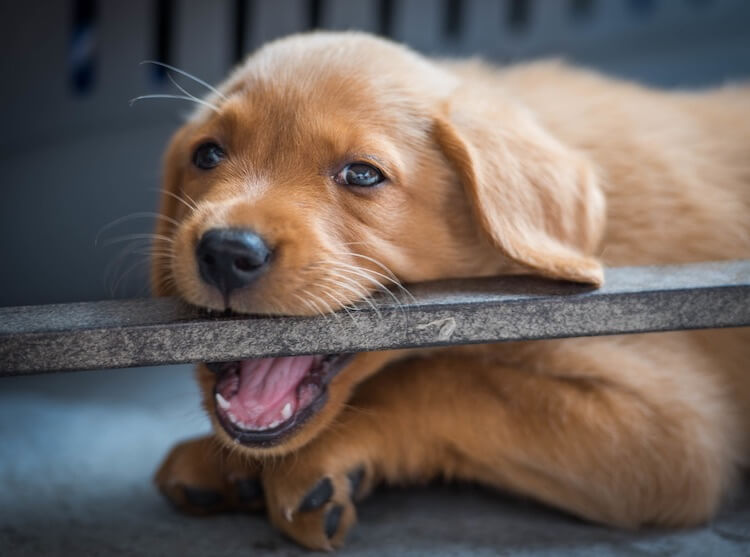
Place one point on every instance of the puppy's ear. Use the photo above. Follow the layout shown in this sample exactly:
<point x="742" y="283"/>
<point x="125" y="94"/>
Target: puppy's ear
<point x="538" y="201"/>
<point x="171" y="210"/>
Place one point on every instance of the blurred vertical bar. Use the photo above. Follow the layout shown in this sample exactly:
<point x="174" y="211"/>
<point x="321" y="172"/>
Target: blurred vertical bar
<point x="36" y="92"/>
<point x="163" y="39"/>
<point x="82" y="53"/>
<point x="266" y="20"/>
<point x="351" y="14"/>
<point x="126" y="40"/>
<point x="485" y="31"/>
<point x="419" y="23"/>
<point x="204" y="32"/>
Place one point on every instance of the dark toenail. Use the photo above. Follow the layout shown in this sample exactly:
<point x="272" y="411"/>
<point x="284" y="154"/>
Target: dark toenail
<point x="317" y="496"/>
<point x="249" y="490"/>
<point x="332" y="520"/>
<point x="198" y="497"/>
<point x="355" y="481"/>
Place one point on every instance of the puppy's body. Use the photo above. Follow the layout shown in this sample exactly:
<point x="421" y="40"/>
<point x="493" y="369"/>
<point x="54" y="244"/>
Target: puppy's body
<point x="535" y="169"/>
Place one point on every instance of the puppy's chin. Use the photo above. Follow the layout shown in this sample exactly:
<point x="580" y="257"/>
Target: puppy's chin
<point x="272" y="406"/>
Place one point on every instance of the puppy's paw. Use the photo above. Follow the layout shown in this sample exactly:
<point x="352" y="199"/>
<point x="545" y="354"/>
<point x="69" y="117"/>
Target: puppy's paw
<point x="315" y="505"/>
<point x="200" y="477"/>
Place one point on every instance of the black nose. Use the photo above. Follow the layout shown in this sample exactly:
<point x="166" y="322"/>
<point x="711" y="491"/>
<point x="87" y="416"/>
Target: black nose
<point x="230" y="258"/>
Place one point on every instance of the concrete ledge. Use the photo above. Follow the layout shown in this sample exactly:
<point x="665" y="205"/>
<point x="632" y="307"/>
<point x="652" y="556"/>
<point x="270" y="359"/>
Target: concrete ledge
<point x="127" y="333"/>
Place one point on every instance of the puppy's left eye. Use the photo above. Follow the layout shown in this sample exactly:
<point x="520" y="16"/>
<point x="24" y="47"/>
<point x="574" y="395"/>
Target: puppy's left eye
<point x="359" y="174"/>
<point x="208" y="155"/>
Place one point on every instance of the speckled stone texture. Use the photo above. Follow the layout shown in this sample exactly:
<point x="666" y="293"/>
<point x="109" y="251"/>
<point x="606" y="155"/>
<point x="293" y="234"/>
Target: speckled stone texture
<point x="145" y="332"/>
<point x="77" y="452"/>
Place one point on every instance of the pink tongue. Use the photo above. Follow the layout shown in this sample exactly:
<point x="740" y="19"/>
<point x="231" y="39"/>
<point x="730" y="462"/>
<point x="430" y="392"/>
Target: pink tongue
<point x="267" y="380"/>
<point x="266" y="387"/>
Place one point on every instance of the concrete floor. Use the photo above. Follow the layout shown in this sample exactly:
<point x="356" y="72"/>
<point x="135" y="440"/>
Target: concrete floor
<point x="77" y="452"/>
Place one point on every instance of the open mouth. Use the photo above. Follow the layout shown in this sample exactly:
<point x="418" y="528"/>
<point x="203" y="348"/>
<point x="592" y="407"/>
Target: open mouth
<point x="262" y="400"/>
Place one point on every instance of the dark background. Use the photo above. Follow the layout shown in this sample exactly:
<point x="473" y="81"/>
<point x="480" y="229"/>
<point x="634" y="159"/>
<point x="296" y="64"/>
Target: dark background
<point x="74" y="156"/>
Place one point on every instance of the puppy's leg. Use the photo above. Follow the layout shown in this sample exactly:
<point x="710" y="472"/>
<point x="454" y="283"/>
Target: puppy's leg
<point x="627" y="454"/>
<point x="202" y="476"/>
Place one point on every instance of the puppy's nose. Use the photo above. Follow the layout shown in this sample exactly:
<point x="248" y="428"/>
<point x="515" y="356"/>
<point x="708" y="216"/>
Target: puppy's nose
<point x="230" y="258"/>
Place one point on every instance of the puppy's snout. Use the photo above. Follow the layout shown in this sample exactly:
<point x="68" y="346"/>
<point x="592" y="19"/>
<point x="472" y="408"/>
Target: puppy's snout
<point x="231" y="258"/>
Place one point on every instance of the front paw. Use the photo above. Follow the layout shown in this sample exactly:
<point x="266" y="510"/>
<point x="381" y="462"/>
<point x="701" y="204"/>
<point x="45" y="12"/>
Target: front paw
<point x="314" y="505"/>
<point x="201" y="477"/>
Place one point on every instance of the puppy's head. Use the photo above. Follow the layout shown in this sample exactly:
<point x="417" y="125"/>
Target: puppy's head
<point x="332" y="164"/>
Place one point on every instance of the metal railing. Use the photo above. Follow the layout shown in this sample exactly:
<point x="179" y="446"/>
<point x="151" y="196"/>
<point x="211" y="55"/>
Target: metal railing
<point x="127" y="333"/>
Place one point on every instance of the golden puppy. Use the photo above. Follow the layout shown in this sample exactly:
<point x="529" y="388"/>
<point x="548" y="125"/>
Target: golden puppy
<point x="328" y="161"/>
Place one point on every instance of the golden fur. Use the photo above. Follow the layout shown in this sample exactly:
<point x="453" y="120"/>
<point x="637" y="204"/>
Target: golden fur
<point x="538" y="169"/>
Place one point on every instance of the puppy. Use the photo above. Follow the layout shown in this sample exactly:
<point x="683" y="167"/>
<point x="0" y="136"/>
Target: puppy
<point x="330" y="164"/>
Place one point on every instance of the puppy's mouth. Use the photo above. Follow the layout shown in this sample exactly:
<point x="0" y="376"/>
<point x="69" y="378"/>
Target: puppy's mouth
<point x="261" y="401"/>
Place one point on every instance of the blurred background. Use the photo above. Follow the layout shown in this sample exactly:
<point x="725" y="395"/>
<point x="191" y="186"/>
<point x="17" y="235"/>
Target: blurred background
<point x="76" y="156"/>
<point x="79" y="171"/>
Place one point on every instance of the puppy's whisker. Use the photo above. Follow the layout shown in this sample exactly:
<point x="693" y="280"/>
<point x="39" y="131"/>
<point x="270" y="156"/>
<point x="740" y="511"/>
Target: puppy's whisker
<point x="193" y="207"/>
<point x="133" y="216"/>
<point x="189" y="76"/>
<point x="390" y="274"/>
<point x="305" y="302"/>
<point x="315" y="302"/>
<point x="174" y="97"/>
<point x="355" y="244"/>
<point x="141" y="236"/>
<point x="314" y="308"/>
<point x="182" y="89"/>
<point x="343" y="304"/>
<point x="323" y="304"/>
<point x="129" y="270"/>
<point x="366" y="274"/>
<point x="360" y="292"/>
<point x="114" y="267"/>
<point x="195" y="204"/>
<point x="338" y="267"/>
<point x="348" y="285"/>
<point x="338" y="302"/>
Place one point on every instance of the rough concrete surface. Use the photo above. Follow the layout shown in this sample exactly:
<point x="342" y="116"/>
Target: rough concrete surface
<point x="77" y="451"/>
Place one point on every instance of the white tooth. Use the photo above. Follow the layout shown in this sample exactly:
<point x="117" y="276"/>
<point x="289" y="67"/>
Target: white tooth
<point x="221" y="401"/>
<point x="273" y="424"/>
<point x="286" y="413"/>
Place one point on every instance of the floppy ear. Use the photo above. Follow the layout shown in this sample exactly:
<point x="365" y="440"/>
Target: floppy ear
<point x="538" y="201"/>
<point x="169" y="207"/>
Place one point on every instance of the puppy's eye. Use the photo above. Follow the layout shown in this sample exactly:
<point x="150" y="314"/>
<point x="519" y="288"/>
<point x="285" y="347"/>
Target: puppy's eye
<point x="359" y="174"/>
<point x="208" y="156"/>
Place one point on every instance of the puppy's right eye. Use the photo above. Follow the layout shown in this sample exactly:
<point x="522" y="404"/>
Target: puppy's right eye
<point x="208" y="156"/>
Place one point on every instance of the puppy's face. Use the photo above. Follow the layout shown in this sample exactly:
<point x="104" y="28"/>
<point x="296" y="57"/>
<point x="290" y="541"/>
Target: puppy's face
<point x="327" y="169"/>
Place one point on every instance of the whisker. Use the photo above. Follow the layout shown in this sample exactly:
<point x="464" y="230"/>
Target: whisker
<point x="390" y="275"/>
<point x="188" y="75"/>
<point x="129" y="270"/>
<point x="307" y="303"/>
<point x="323" y="302"/>
<point x="195" y="204"/>
<point x="343" y="306"/>
<point x="132" y="216"/>
<point x="175" y="97"/>
<point x="188" y="93"/>
<point x="365" y="273"/>
<point x="393" y="281"/>
<point x="192" y="208"/>
<point x="141" y="236"/>
<point x="113" y="267"/>
<point x="320" y="311"/>
<point x="350" y="286"/>
<point x="333" y="294"/>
